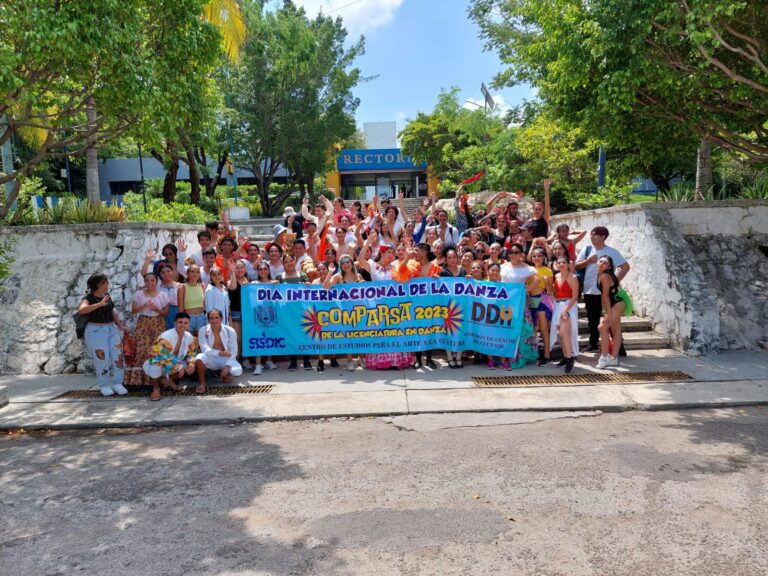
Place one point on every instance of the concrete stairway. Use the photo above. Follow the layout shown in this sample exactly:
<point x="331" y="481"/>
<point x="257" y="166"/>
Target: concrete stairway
<point x="637" y="332"/>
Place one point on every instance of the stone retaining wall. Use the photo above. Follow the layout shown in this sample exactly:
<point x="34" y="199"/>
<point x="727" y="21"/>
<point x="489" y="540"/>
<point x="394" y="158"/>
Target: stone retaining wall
<point x="698" y="272"/>
<point x="681" y="284"/>
<point x="52" y="264"/>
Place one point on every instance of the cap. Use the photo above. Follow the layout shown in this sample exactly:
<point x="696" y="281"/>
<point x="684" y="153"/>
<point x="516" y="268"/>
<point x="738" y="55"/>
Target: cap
<point x="289" y="211"/>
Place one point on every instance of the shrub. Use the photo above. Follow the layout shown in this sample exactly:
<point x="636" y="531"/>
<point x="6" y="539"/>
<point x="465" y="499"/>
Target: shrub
<point x="157" y="211"/>
<point x="70" y="211"/>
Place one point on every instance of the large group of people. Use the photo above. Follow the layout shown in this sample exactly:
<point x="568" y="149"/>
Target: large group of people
<point x="188" y="314"/>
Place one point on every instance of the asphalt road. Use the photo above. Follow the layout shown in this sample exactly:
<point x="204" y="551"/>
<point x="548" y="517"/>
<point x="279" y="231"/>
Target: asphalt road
<point x="636" y="493"/>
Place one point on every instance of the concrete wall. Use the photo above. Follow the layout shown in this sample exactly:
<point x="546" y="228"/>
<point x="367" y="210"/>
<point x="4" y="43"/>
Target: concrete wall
<point x="677" y="281"/>
<point x="52" y="264"/>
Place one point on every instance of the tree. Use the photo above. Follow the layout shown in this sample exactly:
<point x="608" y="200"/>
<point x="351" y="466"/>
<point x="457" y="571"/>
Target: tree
<point x="123" y="56"/>
<point x="292" y="95"/>
<point x="457" y="142"/>
<point x="699" y="65"/>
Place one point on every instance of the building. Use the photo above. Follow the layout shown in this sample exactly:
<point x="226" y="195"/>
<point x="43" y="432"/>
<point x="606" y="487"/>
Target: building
<point x="380" y="168"/>
<point x="120" y="175"/>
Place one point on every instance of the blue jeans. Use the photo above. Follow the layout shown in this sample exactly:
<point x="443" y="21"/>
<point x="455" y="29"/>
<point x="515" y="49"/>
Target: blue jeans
<point x="171" y="317"/>
<point x="197" y="321"/>
<point x="104" y="344"/>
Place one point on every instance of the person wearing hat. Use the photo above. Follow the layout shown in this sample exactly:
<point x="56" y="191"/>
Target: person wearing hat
<point x="293" y="221"/>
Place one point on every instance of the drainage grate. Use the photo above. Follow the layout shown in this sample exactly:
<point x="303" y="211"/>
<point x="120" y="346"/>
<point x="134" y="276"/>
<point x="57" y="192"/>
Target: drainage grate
<point x="579" y="379"/>
<point x="189" y="391"/>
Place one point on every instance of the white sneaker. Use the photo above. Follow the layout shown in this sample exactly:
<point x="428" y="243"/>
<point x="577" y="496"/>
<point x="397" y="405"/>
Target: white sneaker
<point x="107" y="391"/>
<point x="258" y="370"/>
<point x="270" y="365"/>
<point x="605" y="361"/>
<point x="119" y="389"/>
<point x="351" y="365"/>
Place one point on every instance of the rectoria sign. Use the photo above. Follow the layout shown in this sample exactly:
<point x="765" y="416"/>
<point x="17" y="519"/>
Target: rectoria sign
<point x="447" y="313"/>
<point x="376" y="160"/>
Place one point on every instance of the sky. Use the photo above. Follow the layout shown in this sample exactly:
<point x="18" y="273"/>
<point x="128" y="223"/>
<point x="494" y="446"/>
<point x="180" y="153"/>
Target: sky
<point x="415" y="48"/>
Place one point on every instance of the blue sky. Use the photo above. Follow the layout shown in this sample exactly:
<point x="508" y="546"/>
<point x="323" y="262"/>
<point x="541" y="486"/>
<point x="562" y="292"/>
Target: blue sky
<point x="416" y="48"/>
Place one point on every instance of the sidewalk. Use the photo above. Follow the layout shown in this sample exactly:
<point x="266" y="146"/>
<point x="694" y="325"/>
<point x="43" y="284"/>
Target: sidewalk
<point x="730" y="379"/>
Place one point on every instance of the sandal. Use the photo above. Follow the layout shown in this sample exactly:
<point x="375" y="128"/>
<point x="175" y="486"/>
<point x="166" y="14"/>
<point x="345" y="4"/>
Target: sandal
<point x="227" y="379"/>
<point x="200" y="389"/>
<point x="156" y="395"/>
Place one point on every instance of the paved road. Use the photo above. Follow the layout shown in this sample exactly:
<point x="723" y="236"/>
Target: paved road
<point x="634" y="493"/>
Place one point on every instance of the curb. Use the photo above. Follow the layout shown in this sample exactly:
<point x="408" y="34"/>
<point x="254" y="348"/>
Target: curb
<point x="611" y="409"/>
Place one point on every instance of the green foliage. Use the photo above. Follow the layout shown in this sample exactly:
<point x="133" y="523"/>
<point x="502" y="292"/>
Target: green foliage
<point x="69" y="210"/>
<point x="292" y="95"/>
<point x="612" y="194"/>
<point x="640" y="75"/>
<point x="157" y="211"/>
<point x="757" y="190"/>
<point x="140" y="61"/>
<point x="6" y="259"/>
<point x="457" y="143"/>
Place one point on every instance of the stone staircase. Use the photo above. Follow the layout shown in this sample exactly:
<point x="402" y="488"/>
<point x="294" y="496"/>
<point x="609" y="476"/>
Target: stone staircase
<point x="637" y="332"/>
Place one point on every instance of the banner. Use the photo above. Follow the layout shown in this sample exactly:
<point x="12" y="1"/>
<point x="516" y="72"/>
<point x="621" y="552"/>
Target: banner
<point x="446" y="313"/>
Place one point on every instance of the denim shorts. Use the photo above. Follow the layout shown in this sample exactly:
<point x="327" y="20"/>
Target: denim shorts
<point x="237" y="315"/>
<point x="197" y="321"/>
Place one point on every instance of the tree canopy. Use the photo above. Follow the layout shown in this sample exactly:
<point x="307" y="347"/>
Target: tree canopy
<point x="673" y="71"/>
<point x="139" y="62"/>
<point x="292" y="95"/>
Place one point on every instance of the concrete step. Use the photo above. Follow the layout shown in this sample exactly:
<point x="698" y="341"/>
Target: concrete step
<point x="630" y="324"/>
<point x="636" y="341"/>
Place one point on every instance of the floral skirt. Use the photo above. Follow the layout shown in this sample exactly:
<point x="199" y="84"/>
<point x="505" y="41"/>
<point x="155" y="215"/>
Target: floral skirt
<point x="385" y="360"/>
<point x="148" y="328"/>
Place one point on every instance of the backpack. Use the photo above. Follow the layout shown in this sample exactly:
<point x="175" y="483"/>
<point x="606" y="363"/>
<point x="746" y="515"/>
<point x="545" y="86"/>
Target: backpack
<point x="81" y="321"/>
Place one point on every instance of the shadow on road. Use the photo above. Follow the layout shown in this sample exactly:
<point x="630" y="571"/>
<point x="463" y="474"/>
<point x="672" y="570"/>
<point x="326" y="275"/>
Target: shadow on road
<point x="146" y="502"/>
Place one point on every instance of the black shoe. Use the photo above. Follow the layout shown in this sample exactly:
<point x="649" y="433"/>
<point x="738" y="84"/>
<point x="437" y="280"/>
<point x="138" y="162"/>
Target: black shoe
<point x="563" y="361"/>
<point x="451" y="363"/>
<point x="459" y="364"/>
<point x="320" y="365"/>
<point x="622" y="351"/>
<point x="478" y="360"/>
<point x="307" y="365"/>
<point x="334" y="364"/>
<point x="592" y="348"/>
<point x="292" y="366"/>
<point x="431" y="364"/>
<point x="542" y="361"/>
<point x="416" y="365"/>
<point x="569" y="364"/>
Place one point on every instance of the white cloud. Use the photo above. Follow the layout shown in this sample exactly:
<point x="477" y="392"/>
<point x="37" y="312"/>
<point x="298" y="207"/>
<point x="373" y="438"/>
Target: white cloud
<point x="359" y="16"/>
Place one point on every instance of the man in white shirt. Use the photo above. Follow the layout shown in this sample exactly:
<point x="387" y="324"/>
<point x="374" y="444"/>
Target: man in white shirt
<point x="587" y="261"/>
<point x="218" y="345"/>
<point x="445" y="232"/>
<point x="300" y="253"/>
